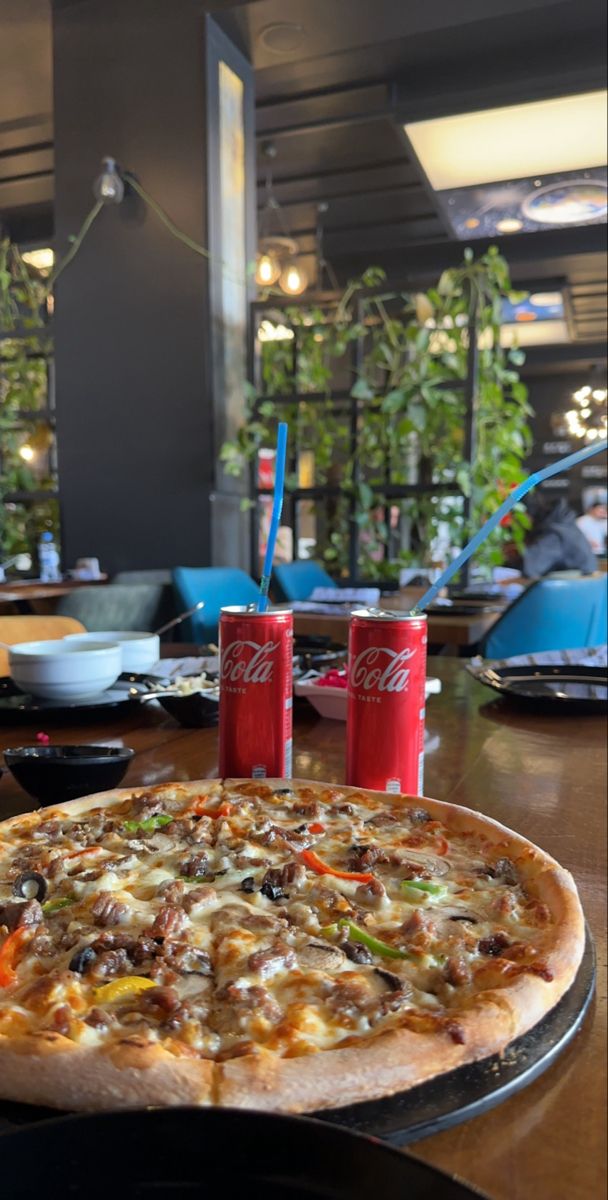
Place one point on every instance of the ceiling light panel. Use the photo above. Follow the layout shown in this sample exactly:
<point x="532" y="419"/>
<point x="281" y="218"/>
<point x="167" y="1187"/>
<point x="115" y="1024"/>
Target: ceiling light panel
<point x="544" y="138"/>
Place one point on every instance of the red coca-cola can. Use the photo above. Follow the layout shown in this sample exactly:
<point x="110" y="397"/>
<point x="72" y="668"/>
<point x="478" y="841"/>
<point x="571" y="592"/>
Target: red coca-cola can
<point x="386" y="701"/>
<point x="256" y="698"/>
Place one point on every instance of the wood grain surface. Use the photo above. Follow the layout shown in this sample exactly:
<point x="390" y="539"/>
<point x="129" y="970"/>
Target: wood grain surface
<point x="544" y="776"/>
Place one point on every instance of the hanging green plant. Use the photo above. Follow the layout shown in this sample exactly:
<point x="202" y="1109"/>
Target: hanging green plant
<point x="404" y="358"/>
<point x="25" y="433"/>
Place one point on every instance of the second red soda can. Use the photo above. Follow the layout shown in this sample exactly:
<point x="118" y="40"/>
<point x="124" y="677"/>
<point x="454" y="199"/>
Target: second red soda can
<point x="256" y="701"/>
<point x="386" y="700"/>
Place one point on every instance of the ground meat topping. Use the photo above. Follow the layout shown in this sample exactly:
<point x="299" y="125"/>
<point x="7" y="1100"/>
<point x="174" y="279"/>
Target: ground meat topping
<point x="186" y="959"/>
<point x="171" y="890"/>
<point x="269" y="961"/>
<point x="107" y="910"/>
<point x="198" y="864"/>
<point x="250" y="998"/>
<point x="382" y="818"/>
<point x="364" y="857"/>
<point x="457" y="971"/>
<point x="168" y="922"/>
<point x="199" y="897"/>
<point x="20" y="913"/>
<point x="293" y="874"/>
<point x="308" y="808"/>
<point x="109" y="964"/>
<point x="493" y="945"/>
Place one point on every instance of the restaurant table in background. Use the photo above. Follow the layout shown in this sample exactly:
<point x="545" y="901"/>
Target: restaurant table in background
<point x="35" y="597"/>
<point x="543" y="776"/>
<point x="458" y="631"/>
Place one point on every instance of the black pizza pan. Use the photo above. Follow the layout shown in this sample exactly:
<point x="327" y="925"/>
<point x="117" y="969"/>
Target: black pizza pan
<point x="214" y="1154"/>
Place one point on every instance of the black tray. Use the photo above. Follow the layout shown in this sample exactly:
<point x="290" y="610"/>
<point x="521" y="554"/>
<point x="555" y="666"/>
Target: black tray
<point x="451" y="1098"/>
<point x="471" y="1090"/>
<point x="550" y="688"/>
<point x="19" y="708"/>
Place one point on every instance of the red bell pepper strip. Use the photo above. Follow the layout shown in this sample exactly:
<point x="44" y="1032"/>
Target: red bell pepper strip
<point x="10" y="952"/>
<point x="316" y="828"/>
<point x="312" y="860"/>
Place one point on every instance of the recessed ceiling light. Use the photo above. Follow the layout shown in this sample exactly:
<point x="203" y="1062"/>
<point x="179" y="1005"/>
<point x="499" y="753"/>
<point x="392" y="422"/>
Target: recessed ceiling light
<point x="509" y="225"/>
<point x="542" y="138"/>
<point x="282" y="37"/>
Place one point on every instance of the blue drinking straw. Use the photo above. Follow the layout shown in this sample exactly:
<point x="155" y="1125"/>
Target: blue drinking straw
<point x="277" y="506"/>
<point x="556" y="468"/>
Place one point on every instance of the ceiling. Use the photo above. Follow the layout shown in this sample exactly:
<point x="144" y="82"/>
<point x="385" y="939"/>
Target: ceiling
<point x="335" y="81"/>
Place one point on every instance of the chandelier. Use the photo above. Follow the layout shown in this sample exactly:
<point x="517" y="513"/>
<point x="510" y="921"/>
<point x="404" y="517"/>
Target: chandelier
<point x="588" y="420"/>
<point x="277" y="252"/>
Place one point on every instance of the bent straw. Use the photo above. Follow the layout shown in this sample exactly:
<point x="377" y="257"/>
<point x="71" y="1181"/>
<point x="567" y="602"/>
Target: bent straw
<point x="277" y="506"/>
<point x="556" y="468"/>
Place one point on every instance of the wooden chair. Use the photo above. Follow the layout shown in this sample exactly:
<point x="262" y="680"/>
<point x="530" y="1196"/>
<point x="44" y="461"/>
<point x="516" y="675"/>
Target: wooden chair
<point x="33" y="629"/>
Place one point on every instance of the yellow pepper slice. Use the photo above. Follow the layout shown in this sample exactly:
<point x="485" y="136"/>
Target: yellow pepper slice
<point x="127" y="986"/>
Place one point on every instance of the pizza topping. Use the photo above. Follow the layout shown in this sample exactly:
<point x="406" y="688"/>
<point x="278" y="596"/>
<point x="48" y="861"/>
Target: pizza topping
<point x="197" y="865"/>
<point x="292" y="874"/>
<point x="55" y="905"/>
<point x="11" y="953"/>
<point x="372" y="894"/>
<point x="417" y="890"/>
<point x="186" y="959"/>
<point x="393" y="981"/>
<point x="82" y="960"/>
<point x="493" y="945"/>
<point x="107" y="910"/>
<point x="168" y="922"/>
<point x="321" y="956"/>
<point x="20" y="913"/>
<point x="247" y="884"/>
<point x="364" y="857"/>
<point x="457" y="970"/>
<point x="30" y="885"/>
<point x="129" y="985"/>
<point x="272" y="891"/>
<point x="356" y="934"/>
<point x="502" y="870"/>
<point x="316" y="864"/>
<point x="357" y="952"/>
<point x="277" y="957"/>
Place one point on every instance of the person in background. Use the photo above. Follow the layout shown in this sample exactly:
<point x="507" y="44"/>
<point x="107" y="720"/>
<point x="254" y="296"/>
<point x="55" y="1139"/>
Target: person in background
<point x="594" y="522"/>
<point x="554" y="542"/>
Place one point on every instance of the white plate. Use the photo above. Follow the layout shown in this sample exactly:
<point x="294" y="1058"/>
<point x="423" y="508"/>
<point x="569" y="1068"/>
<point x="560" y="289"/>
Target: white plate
<point x="331" y="701"/>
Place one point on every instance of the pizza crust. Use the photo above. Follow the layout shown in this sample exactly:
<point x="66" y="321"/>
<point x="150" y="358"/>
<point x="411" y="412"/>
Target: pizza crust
<point x="49" y="1069"/>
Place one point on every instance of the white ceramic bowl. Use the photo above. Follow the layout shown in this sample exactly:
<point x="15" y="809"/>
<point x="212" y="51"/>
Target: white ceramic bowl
<point x="140" y="651"/>
<point x="60" y="670"/>
<point x="332" y="702"/>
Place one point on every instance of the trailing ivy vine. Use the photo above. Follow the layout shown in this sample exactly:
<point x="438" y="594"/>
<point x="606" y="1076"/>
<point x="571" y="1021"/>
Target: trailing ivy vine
<point x="24" y="348"/>
<point x="408" y="379"/>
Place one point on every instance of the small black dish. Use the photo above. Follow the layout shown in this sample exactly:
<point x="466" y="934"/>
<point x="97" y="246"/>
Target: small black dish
<point x="52" y="774"/>
<point x="194" y="710"/>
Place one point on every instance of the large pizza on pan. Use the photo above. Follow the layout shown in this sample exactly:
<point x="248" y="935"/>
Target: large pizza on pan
<point x="272" y="944"/>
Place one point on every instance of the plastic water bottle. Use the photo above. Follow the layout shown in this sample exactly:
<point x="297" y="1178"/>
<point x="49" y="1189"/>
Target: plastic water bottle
<point x="48" y="558"/>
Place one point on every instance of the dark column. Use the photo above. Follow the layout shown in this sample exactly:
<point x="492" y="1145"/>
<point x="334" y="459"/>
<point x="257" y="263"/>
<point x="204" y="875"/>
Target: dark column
<point x="140" y="323"/>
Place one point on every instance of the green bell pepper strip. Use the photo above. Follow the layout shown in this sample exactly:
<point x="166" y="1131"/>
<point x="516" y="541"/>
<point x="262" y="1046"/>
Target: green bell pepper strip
<point x="420" y="885"/>
<point x="53" y="906"/>
<point x="356" y="934"/>
<point x="149" y="825"/>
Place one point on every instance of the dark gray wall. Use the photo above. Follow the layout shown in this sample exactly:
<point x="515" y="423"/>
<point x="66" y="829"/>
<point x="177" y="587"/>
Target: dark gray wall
<point x="132" y="324"/>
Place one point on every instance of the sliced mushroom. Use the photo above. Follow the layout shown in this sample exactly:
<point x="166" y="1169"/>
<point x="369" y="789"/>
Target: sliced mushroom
<point x="321" y="956"/>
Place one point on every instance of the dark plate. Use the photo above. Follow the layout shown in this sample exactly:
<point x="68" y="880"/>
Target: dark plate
<point x="17" y="707"/>
<point x="551" y="689"/>
<point x="212" y="1154"/>
<point x="462" y="609"/>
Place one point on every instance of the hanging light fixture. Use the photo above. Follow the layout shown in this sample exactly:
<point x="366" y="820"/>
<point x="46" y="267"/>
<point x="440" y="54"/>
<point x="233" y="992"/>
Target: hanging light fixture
<point x="109" y="187"/>
<point x="588" y="419"/>
<point x="293" y="279"/>
<point x="277" y="251"/>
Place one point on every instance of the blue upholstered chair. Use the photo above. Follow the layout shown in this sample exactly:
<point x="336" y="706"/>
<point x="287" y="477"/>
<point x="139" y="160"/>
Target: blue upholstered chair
<point x="218" y="587"/>
<point x="296" y="580"/>
<point x="552" y="614"/>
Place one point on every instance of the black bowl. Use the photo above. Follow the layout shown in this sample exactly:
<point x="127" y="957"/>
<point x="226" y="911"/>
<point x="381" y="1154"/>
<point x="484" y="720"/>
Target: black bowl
<point x="52" y="774"/>
<point x="194" y="710"/>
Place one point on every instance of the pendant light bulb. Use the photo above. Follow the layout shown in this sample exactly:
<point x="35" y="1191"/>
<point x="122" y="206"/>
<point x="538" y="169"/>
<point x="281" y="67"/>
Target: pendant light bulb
<point x="293" y="280"/>
<point x="267" y="270"/>
<point x="109" y="187"/>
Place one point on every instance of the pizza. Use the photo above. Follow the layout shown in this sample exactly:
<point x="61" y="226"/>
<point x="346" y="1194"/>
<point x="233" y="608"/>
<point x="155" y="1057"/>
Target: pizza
<point x="273" y="944"/>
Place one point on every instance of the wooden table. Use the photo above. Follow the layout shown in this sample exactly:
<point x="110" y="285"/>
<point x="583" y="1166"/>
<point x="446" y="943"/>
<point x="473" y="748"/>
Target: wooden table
<point x="33" y="597"/>
<point x="544" y="776"/>
<point x="456" y="631"/>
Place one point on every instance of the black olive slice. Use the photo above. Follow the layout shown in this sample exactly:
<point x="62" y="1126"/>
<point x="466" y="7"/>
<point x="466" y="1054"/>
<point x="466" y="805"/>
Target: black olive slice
<point x="82" y="960"/>
<point x="248" y="884"/>
<point x="30" y="886"/>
